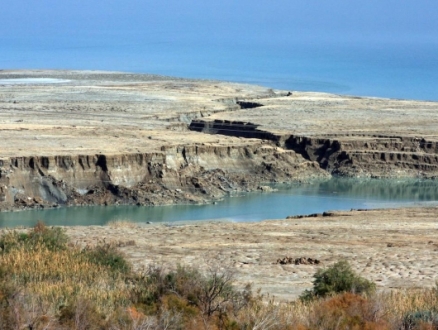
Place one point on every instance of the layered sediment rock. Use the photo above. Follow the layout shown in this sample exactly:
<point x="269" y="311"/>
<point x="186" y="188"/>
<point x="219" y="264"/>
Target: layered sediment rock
<point x="348" y="155"/>
<point x="108" y="138"/>
<point x="181" y="174"/>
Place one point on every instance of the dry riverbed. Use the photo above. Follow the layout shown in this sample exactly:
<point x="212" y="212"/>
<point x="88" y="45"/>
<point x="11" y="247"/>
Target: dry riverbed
<point x="395" y="248"/>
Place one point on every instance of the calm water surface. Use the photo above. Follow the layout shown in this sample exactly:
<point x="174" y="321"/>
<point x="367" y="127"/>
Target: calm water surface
<point x="335" y="194"/>
<point x="398" y="70"/>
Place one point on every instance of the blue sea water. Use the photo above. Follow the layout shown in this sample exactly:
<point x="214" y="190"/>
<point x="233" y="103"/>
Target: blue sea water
<point x="368" y="48"/>
<point x="396" y="70"/>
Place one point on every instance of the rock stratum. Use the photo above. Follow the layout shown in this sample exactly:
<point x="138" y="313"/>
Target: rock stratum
<point x="90" y="137"/>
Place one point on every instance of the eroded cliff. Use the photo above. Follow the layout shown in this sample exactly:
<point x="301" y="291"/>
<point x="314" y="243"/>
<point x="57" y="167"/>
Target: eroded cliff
<point x="106" y="138"/>
<point x="180" y="174"/>
<point x="355" y="155"/>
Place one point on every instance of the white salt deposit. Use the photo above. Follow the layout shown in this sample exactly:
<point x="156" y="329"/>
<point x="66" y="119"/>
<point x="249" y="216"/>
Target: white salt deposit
<point x="32" y="81"/>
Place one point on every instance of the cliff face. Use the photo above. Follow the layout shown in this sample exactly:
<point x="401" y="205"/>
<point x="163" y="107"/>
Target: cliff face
<point x="204" y="172"/>
<point x="376" y="156"/>
<point x="180" y="174"/>
<point x="355" y="155"/>
<point x="108" y="138"/>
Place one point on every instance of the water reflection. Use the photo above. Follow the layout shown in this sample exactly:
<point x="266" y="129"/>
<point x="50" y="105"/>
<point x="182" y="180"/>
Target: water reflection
<point x="333" y="194"/>
<point x="388" y="190"/>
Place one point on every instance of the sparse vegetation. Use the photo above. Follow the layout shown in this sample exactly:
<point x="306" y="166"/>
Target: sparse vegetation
<point x="53" y="239"/>
<point x="106" y="255"/>
<point x="47" y="284"/>
<point x="338" y="278"/>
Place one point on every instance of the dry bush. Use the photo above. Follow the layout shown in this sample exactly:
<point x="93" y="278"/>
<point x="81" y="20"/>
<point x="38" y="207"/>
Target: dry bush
<point x="41" y="279"/>
<point x="82" y="314"/>
<point x="259" y="316"/>
<point x="46" y="285"/>
<point x="53" y="238"/>
<point x="57" y="277"/>
<point x="344" y="311"/>
<point x="397" y="307"/>
<point x="208" y="299"/>
<point x="397" y="310"/>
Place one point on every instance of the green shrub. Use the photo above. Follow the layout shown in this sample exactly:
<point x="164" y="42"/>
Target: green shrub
<point x="40" y="236"/>
<point x="337" y="279"/>
<point x="212" y="293"/>
<point x="107" y="255"/>
<point x="156" y="283"/>
<point x="414" y="319"/>
<point x="80" y="314"/>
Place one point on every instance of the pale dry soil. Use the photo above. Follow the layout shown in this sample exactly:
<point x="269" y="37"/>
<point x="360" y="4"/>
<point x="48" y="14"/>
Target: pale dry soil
<point x="91" y="112"/>
<point x="311" y="114"/>
<point x="395" y="248"/>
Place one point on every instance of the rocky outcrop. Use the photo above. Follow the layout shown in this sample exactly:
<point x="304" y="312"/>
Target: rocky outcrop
<point x="204" y="172"/>
<point x="179" y="174"/>
<point x="232" y="128"/>
<point x="354" y="155"/>
<point x="298" y="261"/>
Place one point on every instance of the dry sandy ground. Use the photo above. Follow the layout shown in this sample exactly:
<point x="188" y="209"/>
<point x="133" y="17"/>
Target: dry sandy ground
<point x="91" y="112"/>
<point x="396" y="248"/>
<point x="310" y="113"/>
